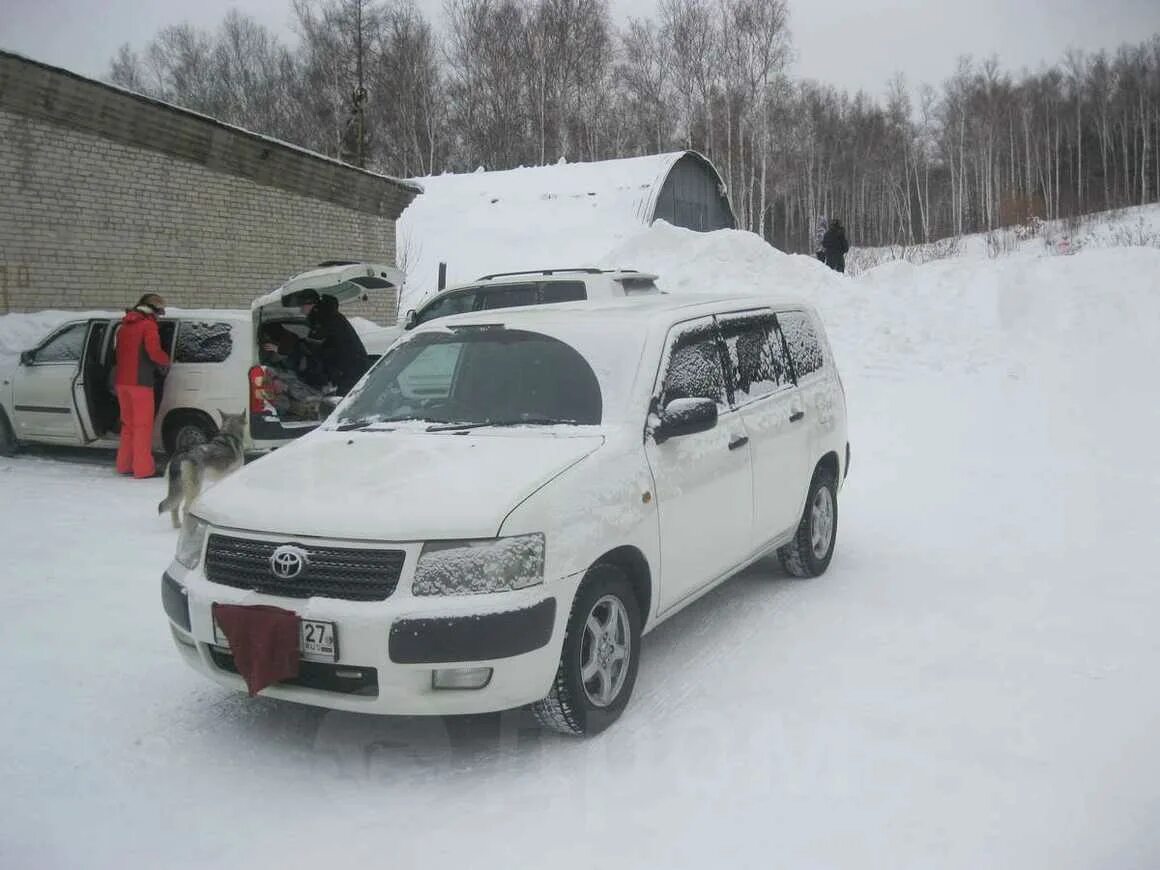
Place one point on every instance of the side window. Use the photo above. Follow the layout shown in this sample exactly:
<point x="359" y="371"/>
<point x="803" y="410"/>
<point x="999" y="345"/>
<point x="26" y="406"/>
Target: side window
<point x="166" y="329"/>
<point x="694" y="370"/>
<point x="756" y="356"/>
<point x="65" y="347"/>
<point x="510" y="296"/>
<point x="201" y="342"/>
<point x="452" y="303"/>
<point x="564" y="291"/>
<point x="802" y="340"/>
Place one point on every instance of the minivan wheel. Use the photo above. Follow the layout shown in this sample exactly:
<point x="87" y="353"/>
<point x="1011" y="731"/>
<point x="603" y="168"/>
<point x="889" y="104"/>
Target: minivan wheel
<point x="598" y="664"/>
<point x="812" y="547"/>
<point x="184" y="431"/>
<point x="8" y="442"/>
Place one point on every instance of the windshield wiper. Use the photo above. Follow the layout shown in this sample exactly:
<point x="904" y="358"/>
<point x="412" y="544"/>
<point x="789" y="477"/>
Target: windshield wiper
<point x="351" y="425"/>
<point x="527" y="421"/>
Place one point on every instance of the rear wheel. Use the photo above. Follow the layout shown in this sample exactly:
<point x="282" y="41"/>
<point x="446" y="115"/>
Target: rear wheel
<point x="185" y="430"/>
<point x="599" y="661"/>
<point x="8" y="442"/>
<point x="812" y="547"/>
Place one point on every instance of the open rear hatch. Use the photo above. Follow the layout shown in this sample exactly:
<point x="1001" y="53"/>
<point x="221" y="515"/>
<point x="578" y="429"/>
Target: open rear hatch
<point x="345" y="281"/>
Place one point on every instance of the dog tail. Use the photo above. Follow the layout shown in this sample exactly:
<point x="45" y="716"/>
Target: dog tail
<point x="173" y="497"/>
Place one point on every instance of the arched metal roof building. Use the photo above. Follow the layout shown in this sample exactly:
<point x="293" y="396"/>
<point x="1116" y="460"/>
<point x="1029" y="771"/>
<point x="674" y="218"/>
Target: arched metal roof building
<point x="563" y="215"/>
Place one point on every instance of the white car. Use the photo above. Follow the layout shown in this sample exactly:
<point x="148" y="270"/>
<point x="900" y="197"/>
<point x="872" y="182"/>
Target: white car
<point x="567" y="478"/>
<point x="60" y="392"/>
<point x="517" y="290"/>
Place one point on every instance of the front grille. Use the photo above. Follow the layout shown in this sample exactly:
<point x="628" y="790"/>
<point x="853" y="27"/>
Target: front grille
<point x="343" y="679"/>
<point x="330" y="572"/>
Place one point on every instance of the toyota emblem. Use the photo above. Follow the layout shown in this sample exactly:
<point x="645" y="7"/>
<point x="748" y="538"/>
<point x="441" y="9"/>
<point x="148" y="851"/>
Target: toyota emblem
<point x="287" y="561"/>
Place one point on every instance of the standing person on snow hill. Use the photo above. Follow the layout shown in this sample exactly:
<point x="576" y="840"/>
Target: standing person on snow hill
<point x="139" y="359"/>
<point x="835" y="246"/>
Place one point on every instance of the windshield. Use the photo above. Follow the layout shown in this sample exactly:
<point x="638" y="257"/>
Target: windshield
<point x="481" y="375"/>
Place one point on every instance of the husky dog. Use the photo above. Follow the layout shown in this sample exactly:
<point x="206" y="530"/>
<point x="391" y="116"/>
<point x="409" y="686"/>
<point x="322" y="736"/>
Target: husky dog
<point x="213" y="460"/>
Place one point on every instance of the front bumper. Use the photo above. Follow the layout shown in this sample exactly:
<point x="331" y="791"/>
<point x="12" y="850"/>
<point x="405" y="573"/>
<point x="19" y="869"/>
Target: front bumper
<point x="388" y="650"/>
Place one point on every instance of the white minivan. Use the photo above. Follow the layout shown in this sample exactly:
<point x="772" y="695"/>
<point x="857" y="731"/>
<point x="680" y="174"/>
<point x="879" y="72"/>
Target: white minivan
<point x="510" y="499"/>
<point x="60" y="392"/>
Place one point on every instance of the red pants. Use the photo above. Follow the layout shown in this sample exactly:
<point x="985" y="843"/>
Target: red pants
<point x="135" y="455"/>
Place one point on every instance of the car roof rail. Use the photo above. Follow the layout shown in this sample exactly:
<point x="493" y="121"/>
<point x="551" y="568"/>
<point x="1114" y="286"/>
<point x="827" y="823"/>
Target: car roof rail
<point x="586" y="270"/>
<point x="328" y="263"/>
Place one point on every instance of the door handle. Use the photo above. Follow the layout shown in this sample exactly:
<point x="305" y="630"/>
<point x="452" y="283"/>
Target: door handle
<point x="738" y="441"/>
<point x="796" y="415"/>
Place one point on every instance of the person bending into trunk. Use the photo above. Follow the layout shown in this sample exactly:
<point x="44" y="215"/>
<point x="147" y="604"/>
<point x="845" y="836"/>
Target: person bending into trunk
<point x="140" y="359"/>
<point x="338" y="346"/>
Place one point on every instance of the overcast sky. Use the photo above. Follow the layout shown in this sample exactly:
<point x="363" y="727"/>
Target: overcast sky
<point x="850" y="43"/>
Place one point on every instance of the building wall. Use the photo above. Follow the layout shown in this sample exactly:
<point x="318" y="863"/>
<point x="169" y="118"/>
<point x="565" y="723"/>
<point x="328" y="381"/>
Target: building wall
<point x="692" y="197"/>
<point x="86" y="222"/>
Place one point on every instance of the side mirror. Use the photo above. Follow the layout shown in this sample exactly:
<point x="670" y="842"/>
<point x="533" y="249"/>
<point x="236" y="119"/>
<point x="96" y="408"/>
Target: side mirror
<point x="26" y="357"/>
<point x="684" y="417"/>
<point x="409" y="320"/>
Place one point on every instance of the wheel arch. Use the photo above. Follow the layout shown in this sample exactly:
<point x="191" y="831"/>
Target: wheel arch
<point x="830" y="464"/>
<point x="634" y="564"/>
<point x="176" y="416"/>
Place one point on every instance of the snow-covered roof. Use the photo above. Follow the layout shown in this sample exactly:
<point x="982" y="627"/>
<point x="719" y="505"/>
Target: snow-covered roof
<point x="563" y="215"/>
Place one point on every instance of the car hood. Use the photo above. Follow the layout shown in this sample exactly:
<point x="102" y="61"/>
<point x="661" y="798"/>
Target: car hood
<point x="393" y="485"/>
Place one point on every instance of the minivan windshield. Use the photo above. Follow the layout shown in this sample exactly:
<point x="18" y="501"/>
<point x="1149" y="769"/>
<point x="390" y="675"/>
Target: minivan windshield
<point x="478" y="376"/>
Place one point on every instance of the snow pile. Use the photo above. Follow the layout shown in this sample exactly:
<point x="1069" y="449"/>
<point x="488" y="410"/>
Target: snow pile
<point x="959" y="313"/>
<point x="1131" y="227"/>
<point x="565" y="215"/>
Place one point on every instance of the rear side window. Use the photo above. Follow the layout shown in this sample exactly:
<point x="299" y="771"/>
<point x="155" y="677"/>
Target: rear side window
<point x="638" y="285"/>
<point x="510" y="296"/>
<point x="802" y="340"/>
<point x="563" y="291"/>
<point x="695" y="370"/>
<point x="756" y="356"/>
<point x="203" y="342"/>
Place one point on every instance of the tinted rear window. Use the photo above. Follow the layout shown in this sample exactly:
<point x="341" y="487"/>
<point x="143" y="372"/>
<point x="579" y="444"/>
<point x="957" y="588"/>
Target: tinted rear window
<point x="563" y="291"/>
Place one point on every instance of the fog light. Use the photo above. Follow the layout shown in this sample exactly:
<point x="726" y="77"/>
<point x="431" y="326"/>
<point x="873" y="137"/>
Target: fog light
<point x="460" y="678"/>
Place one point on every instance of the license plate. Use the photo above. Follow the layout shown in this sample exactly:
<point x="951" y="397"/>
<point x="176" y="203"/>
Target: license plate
<point x="317" y="640"/>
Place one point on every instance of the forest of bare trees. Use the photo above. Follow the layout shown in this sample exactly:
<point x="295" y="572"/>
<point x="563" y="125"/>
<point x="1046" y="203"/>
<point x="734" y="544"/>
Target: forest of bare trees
<point x="505" y="83"/>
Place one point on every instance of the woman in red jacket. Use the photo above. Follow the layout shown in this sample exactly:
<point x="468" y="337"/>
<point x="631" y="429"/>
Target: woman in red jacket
<point x="139" y="359"/>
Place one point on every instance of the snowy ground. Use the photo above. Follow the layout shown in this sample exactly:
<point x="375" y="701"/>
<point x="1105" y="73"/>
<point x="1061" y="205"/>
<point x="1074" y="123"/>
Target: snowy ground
<point x="971" y="685"/>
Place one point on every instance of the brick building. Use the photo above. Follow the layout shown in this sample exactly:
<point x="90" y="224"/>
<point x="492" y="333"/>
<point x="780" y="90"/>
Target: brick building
<point x="106" y="194"/>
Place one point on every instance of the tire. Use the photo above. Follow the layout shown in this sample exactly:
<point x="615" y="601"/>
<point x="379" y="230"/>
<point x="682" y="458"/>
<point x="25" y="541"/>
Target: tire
<point x="812" y="547"/>
<point x="8" y="443"/>
<point x="185" y="430"/>
<point x="576" y="706"/>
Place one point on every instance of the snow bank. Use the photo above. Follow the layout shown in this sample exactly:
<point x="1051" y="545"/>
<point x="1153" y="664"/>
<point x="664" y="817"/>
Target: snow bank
<point x="1121" y="228"/>
<point x="565" y="215"/>
<point x="959" y="313"/>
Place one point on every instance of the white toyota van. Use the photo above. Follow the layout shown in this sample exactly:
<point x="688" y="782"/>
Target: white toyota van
<point x="60" y="391"/>
<point x="510" y="499"/>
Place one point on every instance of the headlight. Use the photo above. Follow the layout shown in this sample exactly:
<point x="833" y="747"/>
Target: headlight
<point x="473" y="567"/>
<point x="190" y="541"/>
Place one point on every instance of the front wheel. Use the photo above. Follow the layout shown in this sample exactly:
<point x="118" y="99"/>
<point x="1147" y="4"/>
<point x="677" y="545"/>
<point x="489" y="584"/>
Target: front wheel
<point x="812" y="547"/>
<point x="599" y="661"/>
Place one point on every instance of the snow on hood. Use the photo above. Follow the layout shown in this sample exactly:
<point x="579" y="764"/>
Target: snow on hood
<point x="393" y="485"/>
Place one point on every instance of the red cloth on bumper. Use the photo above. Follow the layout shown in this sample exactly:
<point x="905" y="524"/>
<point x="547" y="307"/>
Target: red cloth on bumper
<point x="263" y="640"/>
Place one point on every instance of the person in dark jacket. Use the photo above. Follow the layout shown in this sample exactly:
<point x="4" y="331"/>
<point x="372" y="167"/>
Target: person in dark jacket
<point x="140" y="359"/>
<point x="835" y="246"/>
<point x="335" y="341"/>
